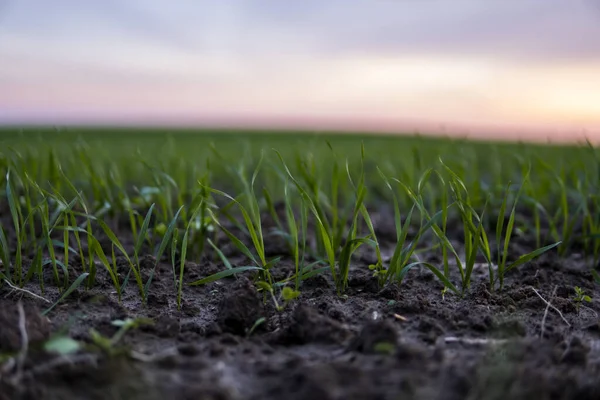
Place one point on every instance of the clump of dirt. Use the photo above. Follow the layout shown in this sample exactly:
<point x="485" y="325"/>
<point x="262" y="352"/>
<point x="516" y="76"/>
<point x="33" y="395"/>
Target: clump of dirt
<point x="37" y="327"/>
<point x="529" y="368"/>
<point x="328" y="382"/>
<point x="376" y="337"/>
<point x="307" y="325"/>
<point x="88" y="379"/>
<point x="240" y="308"/>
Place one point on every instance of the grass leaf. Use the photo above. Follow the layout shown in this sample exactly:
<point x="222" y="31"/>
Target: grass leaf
<point x="224" y="274"/>
<point x="67" y="292"/>
<point x="530" y="256"/>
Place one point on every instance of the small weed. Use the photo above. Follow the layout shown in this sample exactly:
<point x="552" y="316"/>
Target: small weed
<point x="286" y="295"/>
<point x="580" y="297"/>
<point x="110" y="345"/>
<point x="255" y="326"/>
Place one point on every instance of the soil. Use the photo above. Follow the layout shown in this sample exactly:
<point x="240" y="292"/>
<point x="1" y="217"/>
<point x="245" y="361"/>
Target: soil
<point x="399" y="342"/>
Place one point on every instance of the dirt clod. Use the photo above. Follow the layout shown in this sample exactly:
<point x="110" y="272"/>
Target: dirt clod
<point x="307" y="325"/>
<point x="575" y="353"/>
<point x="37" y="326"/>
<point x="240" y="308"/>
<point x="376" y="337"/>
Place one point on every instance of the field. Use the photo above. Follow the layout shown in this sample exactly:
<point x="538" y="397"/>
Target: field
<point x="146" y="264"/>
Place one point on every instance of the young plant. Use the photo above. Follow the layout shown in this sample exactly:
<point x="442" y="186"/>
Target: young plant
<point x="199" y="208"/>
<point x="339" y="263"/>
<point x="580" y="297"/>
<point x="502" y="253"/>
<point x="110" y="345"/>
<point x="134" y="267"/>
<point x="49" y="223"/>
<point x="562" y="222"/>
<point x="430" y="223"/>
<point x="293" y="235"/>
<point x="253" y="226"/>
<point x="166" y="240"/>
<point x="4" y="256"/>
<point x="286" y="295"/>
<point x="474" y="235"/>
<point x="405" y="250"/>
<point x="16" y="215"/>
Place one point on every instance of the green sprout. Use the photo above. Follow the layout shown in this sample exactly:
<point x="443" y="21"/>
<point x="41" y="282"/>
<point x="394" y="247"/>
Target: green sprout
<point x="110" y="345"/>
<point x="580" y="297"/>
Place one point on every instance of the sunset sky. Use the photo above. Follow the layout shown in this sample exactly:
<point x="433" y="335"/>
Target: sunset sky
<point x="500" y="67"/>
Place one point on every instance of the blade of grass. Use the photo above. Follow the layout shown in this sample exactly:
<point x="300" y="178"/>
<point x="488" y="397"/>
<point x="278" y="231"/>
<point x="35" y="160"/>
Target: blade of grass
<point x="224" y="274"/>
<point x="67" y="292"/>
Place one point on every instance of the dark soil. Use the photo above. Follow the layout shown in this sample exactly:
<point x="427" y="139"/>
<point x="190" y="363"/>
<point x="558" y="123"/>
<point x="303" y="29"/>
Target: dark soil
<point x="399" y="342"/>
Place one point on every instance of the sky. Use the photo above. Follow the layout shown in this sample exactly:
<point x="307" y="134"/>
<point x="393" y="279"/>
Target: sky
<point x="502" y="68"/>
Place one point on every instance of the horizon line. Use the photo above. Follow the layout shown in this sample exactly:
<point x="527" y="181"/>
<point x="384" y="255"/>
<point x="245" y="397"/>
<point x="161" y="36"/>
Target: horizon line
<point x="333" y="126"/>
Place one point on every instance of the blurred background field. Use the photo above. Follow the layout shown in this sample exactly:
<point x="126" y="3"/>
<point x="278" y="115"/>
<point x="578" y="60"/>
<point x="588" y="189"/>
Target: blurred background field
<point x="183" y="150"/>
<point x="128" y="158"/>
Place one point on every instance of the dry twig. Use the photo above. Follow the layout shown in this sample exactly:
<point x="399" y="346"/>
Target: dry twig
<point x="21" y="290"/>
<point x="551" y="306"/>
<point x="543" y="325"/>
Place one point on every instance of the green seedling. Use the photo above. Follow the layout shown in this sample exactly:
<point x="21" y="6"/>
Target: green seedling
<point x="253" y="226"/>
<point x="286" y="295"/>
<point x="134" y="267"/>
<point x="503" y="266"/>
<point x="167" y="233"/>
<point x="67" y="292"/>
<point x="403" y="250"/>
<point x="255" y="326"/>
<point x="430" y="221"/>
<point x="17" y="219"/>
<point x="580" y="297"/>
<point x="110" y="345"/>
<point x="337" y="258"/>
